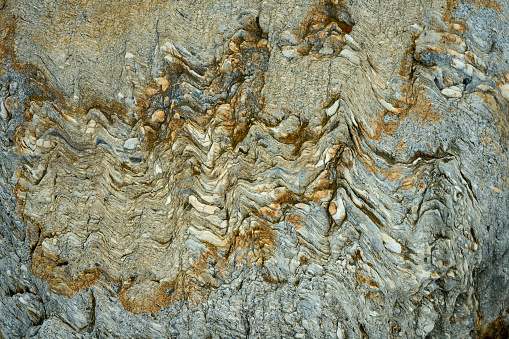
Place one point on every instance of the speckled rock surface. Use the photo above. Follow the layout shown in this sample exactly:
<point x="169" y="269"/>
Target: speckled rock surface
<point x="296" y="169"/>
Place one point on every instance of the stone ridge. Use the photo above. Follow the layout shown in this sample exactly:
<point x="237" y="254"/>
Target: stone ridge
<point x="130" y="205"/>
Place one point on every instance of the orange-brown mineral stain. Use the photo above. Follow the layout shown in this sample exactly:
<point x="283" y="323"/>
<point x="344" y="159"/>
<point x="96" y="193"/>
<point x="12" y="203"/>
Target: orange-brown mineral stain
<point x="253" y="246"/>
<point x="415" y="104"/>
<point x="394" y="174"/>
<point x="371" y="283"/>
<point x="387" y="128"/>
<point x="272" y="212"/>
<point x="47" y="266"/>
<point x="296" y="220"/>
<point x="321" y="16"/>
<point x="421" y="108"/>
<point x="166" y="293"/>
<point x="490" y="4"/>
<point x="498" y="328"/>
<point x="44" y="265"/>
<point x="452" y="5"/>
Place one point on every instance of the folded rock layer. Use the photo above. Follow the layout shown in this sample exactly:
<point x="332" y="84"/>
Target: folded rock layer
<point x="217" y="170"/>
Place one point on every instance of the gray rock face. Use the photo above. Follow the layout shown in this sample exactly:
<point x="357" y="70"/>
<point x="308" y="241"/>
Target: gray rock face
<point x="255" y="169"/>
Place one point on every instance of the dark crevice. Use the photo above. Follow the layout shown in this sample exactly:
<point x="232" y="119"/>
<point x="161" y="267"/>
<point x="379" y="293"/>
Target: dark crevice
<point x="91" y="325"/>
<point x="469" y="184"/>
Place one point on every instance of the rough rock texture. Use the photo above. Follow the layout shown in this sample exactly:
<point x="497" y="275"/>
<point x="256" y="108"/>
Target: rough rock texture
<point x="251" y="169"/>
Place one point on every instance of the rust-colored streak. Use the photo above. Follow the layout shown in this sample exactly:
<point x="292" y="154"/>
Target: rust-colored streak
<point x="421" y="108"/>
<point x="272" y="212"/>
<point x="47" y="267"/>
<point x="387" y="128"/>
<point x="163" y="294"/>
<point x="490" y="4"/>
<point x="259" y="242"/>
<point x="296" y="220"/>
<point x="408" y="183"/>
<point x="370" y="282"/>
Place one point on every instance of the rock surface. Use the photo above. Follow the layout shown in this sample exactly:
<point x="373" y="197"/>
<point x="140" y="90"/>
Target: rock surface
<point x="297" y="169"/>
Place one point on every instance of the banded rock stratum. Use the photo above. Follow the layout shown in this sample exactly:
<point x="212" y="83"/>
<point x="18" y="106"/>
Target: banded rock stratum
<point x="254" y="169"/>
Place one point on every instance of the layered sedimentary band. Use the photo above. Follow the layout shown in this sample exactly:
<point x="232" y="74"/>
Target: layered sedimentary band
<point x="295" y="162"/>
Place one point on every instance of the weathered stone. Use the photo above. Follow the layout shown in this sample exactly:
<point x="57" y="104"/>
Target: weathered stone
<point x="198" y="169"/>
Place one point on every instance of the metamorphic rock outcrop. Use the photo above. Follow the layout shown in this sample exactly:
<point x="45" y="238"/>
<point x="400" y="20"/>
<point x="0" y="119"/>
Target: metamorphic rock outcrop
<point x="254" y="169"/>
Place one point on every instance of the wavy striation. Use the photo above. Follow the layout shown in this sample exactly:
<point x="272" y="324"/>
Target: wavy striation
<point x="297" y="179"/>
